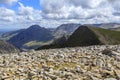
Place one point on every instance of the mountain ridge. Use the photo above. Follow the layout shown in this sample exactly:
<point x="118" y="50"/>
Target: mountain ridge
<point x="36" y="36"/>
<point x="65" y="29"/>
<point x="87" y="36"/>
<point x="33" y="33"/>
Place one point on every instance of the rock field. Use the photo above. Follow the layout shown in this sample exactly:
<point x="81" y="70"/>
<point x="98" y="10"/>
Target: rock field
<point x="79" y="63"/>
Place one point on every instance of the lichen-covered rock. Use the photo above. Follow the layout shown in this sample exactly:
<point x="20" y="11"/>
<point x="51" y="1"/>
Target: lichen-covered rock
<point x="80" y="63"/>
<point x="110" y="79"/>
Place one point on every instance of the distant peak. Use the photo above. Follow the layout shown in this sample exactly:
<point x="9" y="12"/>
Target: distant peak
<point x="83" y="26"/>
<point x="35" y="27"/>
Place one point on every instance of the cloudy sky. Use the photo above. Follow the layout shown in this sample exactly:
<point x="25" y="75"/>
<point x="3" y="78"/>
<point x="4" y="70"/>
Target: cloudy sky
<point x="51" y="13"/>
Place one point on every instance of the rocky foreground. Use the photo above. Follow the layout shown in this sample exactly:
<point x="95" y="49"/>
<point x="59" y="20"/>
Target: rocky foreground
<point x="80" y="63"/>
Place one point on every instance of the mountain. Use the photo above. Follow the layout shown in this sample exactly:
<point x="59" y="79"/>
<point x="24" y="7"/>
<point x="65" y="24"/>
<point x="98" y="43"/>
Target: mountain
<point x="83" y="36"/>
<point x="110" y="25"/>
<point x="105" y="25"/>
<point x="7" y="48"/>
<point x="10" y="34"/>
<point x="31" y="37"/>
<point x="36" y="36"/>
<point x="86" y="36"/>
<point x="61" y="34"/>
<point x="68" y="29"/>
<point x="65" y="29"/>
<point x="115" y="29"/>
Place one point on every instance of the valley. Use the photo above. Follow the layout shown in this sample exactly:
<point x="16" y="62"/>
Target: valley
<point x="65" y="35"/>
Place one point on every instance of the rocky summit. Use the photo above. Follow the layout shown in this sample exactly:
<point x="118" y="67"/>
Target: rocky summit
<point x="79" y="63"/>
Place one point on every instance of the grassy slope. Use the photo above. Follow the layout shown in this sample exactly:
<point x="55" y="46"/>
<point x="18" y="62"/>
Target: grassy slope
<point x="36" y="44"/>
<point x="107" y="36"/>
<point x="115" y="29"/>
<point x="85" y="36"/>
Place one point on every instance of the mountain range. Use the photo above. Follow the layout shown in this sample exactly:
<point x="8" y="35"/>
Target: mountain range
<point x="115" y="29"/>
<point x="10" y="34"/>
<point x="87" y="36"/>
<point x="105" y="25"/>
<point x="36" y="36"/>
<point x="64" y="35"/>
<point x="65" y="29"/>
<point x="34" y="33"/>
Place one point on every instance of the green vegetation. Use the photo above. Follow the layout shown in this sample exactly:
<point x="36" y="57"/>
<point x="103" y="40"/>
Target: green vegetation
<point x="107" y="36"/>
<point x="87" y="36"/>
<point x="83" y="36"/>
<point x="36" y="44"/>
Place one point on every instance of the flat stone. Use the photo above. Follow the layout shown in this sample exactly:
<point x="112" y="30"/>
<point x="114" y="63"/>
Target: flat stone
<point x="110" y="79"/>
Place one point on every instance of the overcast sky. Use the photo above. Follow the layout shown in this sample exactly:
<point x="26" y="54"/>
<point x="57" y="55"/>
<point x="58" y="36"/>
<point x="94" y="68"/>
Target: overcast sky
<point x="51" y="13"/>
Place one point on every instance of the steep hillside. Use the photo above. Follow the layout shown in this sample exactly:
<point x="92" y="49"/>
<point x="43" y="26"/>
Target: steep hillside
<point x="36" y="36"/>
<point x="7" y="48"/>
<point x="115" y="29"/>
<point x="34" y="33"/>
<point x="83" y="36"/>
<point x="107" y="36"/>
<point x="57" y="43"/>
<point x="65" y="29"/>
<point x="86" y="36"/>
<point x="8" y="35"/>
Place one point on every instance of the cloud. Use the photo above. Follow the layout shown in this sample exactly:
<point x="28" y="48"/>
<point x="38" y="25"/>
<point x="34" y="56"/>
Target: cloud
<point x="8" y="2"/>
<point x="7" y="19"/>
<point x="27" y="13"/>
<point x="6" y="14"/>
<point x="22" y="10"/>
<point x="56" y="12"/>
<point x="86" y="3"/>
<point x="115" y="4"/>
<point x="82" y="11"/>
<point x="23" y="17"/>
<point x="73" y="9"/>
